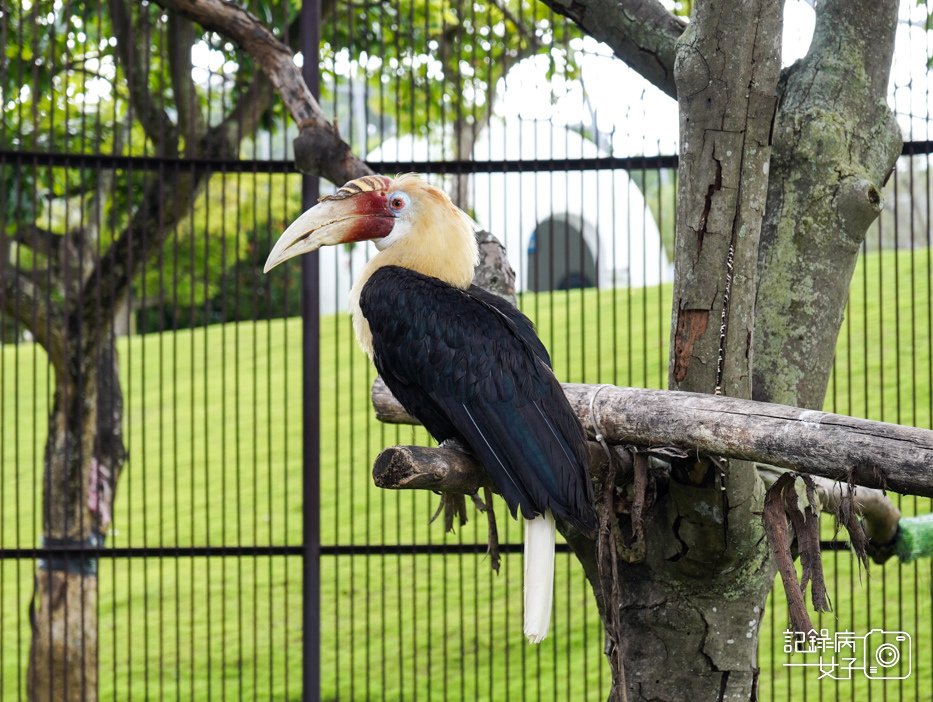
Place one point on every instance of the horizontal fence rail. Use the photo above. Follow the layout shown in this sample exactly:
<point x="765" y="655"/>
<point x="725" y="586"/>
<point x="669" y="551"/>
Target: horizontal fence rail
<point x="154" y="163"/>
<point x="287" y="166"/>
<point x="66" y="552"/>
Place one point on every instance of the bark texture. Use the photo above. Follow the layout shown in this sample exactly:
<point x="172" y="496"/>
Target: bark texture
<point x="728" y="63"/>
<point x="493" y="272"/>
<point x="835" y="143"/>
<point x="844" y="449"/>
<point x="63" y="656"/>
<point x="441" y="469"/>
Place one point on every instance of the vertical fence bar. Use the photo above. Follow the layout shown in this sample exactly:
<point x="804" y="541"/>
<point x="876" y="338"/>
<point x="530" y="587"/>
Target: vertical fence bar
<point x="311" y="441"/>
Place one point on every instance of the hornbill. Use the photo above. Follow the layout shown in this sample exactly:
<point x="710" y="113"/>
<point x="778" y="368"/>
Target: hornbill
<point x="464" y="362"/>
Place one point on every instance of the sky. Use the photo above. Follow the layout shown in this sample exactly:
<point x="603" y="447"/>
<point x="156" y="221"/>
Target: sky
<point x="642" y="120"/>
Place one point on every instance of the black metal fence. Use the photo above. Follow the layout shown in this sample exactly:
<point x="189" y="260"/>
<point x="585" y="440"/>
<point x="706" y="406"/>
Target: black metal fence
<point x="248" y="554"/>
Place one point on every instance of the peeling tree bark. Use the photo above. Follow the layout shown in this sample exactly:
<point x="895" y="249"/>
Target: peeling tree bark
<point x="728" y="62"/>
<point x="83" y="459"/>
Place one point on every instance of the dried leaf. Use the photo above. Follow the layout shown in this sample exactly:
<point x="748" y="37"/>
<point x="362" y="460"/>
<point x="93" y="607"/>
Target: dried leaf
<point x="781" y="503"/>
<point x="492" y="537"/>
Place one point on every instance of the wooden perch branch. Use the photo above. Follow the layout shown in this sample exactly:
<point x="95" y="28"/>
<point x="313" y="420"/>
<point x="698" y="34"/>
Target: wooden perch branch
<point x="847" y="449"/>
<point x="420" y="468"/>
<point x="440" y="469"/>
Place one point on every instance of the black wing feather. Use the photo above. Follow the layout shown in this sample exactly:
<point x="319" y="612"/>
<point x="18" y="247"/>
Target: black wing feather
<point x="470" y="367"/>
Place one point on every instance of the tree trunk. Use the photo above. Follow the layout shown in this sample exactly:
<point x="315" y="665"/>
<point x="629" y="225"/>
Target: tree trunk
<point x="691" y="638"/>
<point x="689" y="613"/>
<point x="83" y="458"/>
<point x="63" y="657"/>
<point x="835" y="143"/>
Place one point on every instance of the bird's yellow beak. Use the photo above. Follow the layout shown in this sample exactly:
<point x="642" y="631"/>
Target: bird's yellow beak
<point x="333" y="221"/>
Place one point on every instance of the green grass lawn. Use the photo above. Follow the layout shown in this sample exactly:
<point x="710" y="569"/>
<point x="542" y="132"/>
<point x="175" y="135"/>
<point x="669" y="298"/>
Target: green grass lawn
<point x="213" y="421"/>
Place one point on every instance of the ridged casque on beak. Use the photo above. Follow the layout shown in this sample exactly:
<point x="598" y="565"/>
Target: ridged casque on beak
<point x="356" y="212"/>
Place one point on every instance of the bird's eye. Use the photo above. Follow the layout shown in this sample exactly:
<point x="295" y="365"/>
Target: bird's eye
<point x="398" y="202"/>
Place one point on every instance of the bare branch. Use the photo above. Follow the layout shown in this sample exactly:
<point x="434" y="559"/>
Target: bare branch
<point x="640" y="32"/>
<point x="165" y="202"/>
<point x="253" y="102"/>
<point x="132" y="51"/>
<point x="23" y="300"/>
<point x="181" y="38"/>
<point x="319" y="149"/>
<point x="275" y="58"/>
<point x="846" y="449"/>
<point x="40" y="240"/>
<point x="527" y="32"/>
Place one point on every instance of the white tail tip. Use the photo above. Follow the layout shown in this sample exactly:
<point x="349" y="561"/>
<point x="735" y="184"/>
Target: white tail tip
<point x="540" y="535"/>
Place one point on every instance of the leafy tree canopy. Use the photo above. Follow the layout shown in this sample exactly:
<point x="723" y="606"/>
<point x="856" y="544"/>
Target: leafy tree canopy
<point x="68" y="86"/>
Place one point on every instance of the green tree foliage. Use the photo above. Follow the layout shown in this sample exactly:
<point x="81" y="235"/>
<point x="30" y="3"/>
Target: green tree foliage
<point x="438" y="63"/>
<point x="429" y="69"/>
